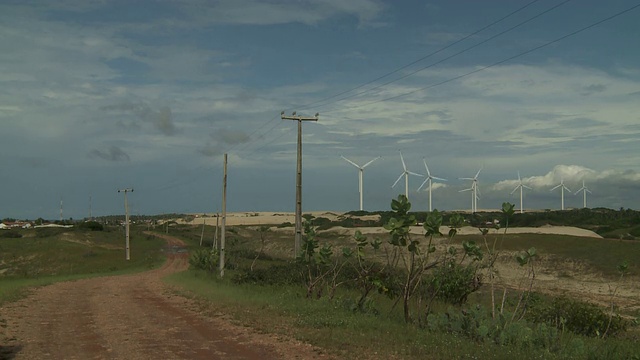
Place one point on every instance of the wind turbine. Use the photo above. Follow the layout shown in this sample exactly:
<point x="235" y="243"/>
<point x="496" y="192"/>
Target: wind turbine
<point x="584" y="190"/>
<point x="360" y="174"/>
<point x="520" y="186"/>
<point x="429" y="179"/>
<point x="474" y="191"/>
<point x="406" y="174"/>
<point x="562" y="187"/>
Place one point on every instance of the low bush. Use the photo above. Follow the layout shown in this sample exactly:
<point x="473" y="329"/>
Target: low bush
<point x="91" y="225"/>
<point x="578" y="317"/>
<point x="204" y="259"/>
<point x="9" y="234"/>
<point x="286" y="274"/>
<point x="453" y="283"/>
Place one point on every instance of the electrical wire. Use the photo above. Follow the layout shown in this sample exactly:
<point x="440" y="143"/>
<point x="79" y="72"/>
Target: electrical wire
<point x="307" y="106"/>
<point x="450" y="56"/>
<point x="496" y="63"/>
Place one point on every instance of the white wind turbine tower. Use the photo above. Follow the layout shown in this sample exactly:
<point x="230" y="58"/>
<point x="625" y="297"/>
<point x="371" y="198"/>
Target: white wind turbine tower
<point x="360" y="174"/>
<point x="430" y="179"/>
<point x="584" y="190"/>
<point x="562" y="187"/>
<point x="474" y="191"/>
<point x="406" y="174"/>
<point x="520" y="186"/>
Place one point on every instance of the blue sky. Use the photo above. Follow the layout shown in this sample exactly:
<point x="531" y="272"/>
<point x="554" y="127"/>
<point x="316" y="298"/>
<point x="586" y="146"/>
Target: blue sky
<point x="101" y="95"/>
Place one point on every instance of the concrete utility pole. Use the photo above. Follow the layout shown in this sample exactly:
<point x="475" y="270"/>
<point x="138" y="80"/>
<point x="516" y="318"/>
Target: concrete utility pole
<point x="215" y="235"/>
<point x="204" y="222"/>
<point x="299" y="119"/>
<point x="224" y="215"/>
<point x="126" y="221"/>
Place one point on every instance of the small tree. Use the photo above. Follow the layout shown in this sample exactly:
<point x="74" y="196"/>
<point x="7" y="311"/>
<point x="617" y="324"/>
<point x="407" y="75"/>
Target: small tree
<point x="407" y="250"/>
<point x="370" y="273"/>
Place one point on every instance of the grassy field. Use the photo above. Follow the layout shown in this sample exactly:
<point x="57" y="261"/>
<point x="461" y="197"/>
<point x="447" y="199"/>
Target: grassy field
<point x="47" y="255"/>
<point x="378" y="332"/>
<point x="382" y="333"/>
<point x="333" y="326"/>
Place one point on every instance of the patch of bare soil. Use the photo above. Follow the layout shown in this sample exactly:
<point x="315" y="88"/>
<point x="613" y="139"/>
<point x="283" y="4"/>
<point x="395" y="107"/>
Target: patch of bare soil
<point x="557" y="276"/>
<point x="130" y="317"/>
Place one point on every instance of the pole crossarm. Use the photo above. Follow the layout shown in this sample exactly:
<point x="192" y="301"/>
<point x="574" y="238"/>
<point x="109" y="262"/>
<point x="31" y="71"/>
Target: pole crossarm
<point x="298" y="235"/>
<point x="298" y="117"/>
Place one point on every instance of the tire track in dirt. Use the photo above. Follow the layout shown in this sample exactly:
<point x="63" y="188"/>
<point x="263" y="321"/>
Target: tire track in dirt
<point x="131" y="317"/>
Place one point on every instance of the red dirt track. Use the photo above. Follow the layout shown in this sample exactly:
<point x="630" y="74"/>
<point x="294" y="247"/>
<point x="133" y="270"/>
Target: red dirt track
<point x="130" y="317"/>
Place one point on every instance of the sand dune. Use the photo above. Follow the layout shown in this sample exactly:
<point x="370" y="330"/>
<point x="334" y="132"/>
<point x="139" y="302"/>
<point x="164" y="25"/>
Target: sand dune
<point x="276" y="218"/>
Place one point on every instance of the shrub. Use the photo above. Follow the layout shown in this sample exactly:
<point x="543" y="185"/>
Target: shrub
<point x="91" y="225"/>
<point x="9" y="234"/>
<point x="576" y="316"/>
<point x="453" y="282"/>
<point x="635" y="232"/>
<point x="204" y="259"/>
<point x="287" y="274"/>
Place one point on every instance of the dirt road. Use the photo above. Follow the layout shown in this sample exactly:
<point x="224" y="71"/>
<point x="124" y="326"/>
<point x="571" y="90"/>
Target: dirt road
<point x="130" y="317"/>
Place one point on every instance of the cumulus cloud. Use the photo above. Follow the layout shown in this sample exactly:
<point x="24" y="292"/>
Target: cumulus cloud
<point x="210" y="150"/>
<point x="161" y="119"/>
<point x="113" y="153"/>
<point x="574" y="174"/>
<point x="281" y="12"/>
<point x="230" y="137"/>
<point x="592" y="89"/>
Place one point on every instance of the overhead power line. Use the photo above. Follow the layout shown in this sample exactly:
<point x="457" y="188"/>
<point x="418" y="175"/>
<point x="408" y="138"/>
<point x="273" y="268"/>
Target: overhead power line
<point x="450" y="56"/>
<point x="496" y="63"/>
<point x="306" y="106"/>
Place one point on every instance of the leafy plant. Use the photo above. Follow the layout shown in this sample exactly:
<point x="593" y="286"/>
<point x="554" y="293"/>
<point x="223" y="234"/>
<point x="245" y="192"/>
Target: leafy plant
<point x="370" y="274"/>
<point x="578" y="317"/>
<point x="407" y="251"/>
<point x="205" y="259"/>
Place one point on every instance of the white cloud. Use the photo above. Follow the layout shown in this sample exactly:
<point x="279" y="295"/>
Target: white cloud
<point x="252" y="12"/>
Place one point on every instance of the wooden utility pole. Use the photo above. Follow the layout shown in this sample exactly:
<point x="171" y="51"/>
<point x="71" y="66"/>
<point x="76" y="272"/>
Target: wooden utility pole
<point x="126" y="221"/>
<point x="215" y="235"/>
<point x="224" y="215"/>
<point x="299" y="119"/>
<point x="204" y="222"/>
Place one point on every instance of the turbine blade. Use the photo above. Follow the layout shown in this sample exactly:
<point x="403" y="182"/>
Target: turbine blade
<point x="404" y="166"/>
<point x="437" y="178"/>
<point x="426" y="167"/>
<point x="394" y="184"/>
<point x="350" y="162"/>
<point x="369" y="163"/>
<point x="421" y="185"/>
<point x="414" y="174"/>
<point x="520" y="180"/>
<point x="514" y="190"/>
<point x="555" y="187"/>
<point x="526" y="187"/>
<point x="478" y="173"/>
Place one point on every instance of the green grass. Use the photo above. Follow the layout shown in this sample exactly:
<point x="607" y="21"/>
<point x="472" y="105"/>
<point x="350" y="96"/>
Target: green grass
<point x="43" y="257"/>
<point x="332" y="326"/>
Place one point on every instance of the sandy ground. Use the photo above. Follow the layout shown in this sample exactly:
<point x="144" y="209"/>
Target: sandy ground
<point x="130" y="317"/>
<point x="274" y="218"/>
<point x="266" y="218"/>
